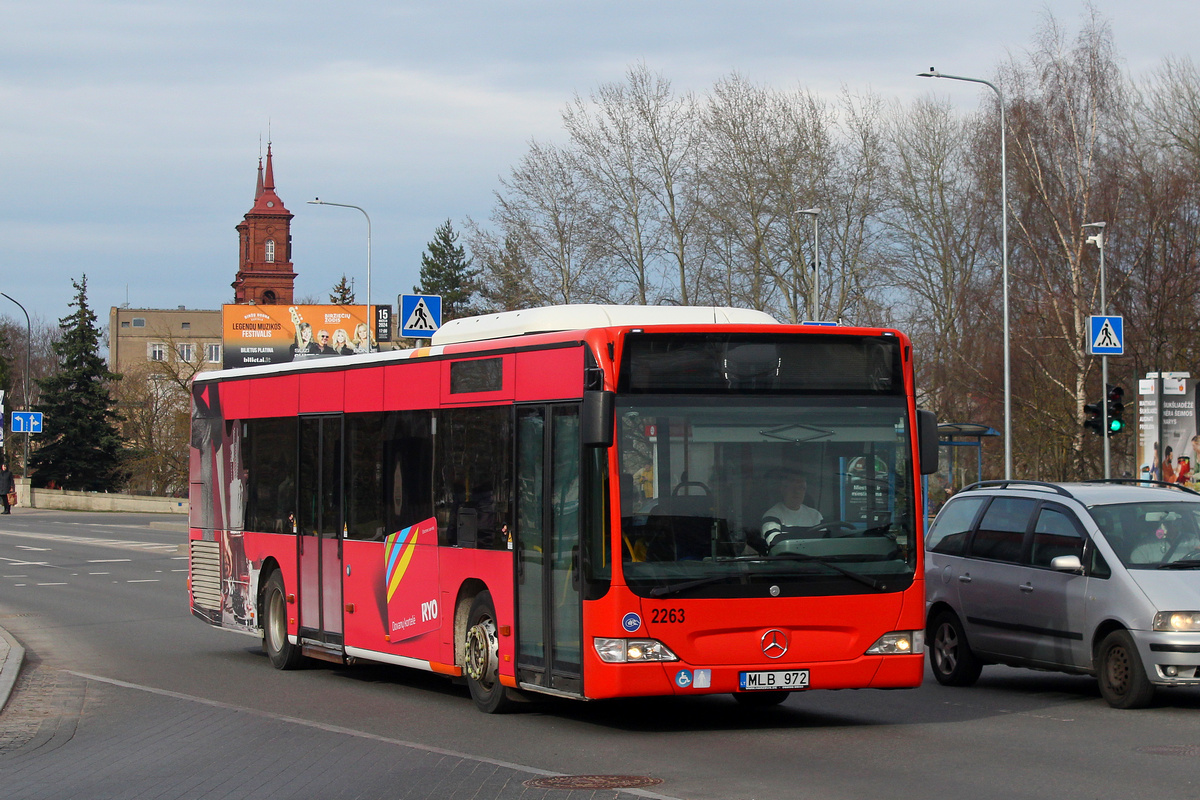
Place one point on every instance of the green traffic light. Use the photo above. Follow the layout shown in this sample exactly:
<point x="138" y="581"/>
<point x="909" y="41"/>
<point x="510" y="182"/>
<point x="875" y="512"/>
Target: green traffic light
<point x="1115" y="425"/>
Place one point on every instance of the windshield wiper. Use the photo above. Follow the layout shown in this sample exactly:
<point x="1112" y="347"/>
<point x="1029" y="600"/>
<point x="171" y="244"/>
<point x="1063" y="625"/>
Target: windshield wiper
<point x="1183" y="563"/>
<point x="863" y="579"/>
<point x="662" y="591"/>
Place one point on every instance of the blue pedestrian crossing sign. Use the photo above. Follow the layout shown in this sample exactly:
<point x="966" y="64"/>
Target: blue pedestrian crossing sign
<point x="1106" y="336"/>
<point x="420" y="314"/>
<point x="26" y="422"/>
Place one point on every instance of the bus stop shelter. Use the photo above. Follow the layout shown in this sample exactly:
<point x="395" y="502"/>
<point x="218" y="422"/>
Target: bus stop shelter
<point x="960" y="461"/>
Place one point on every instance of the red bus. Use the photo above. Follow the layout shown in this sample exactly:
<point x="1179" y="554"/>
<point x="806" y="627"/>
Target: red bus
<point x="585" y="501"/>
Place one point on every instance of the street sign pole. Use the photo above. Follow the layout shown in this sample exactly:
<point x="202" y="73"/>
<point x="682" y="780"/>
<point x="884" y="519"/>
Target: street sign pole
<point x="1106" y="337"/>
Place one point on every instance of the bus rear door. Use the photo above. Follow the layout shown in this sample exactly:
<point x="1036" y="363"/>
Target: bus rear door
<point x="320" y="530"/>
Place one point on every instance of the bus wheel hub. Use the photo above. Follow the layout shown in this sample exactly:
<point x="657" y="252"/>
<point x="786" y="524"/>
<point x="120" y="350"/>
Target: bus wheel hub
<point x="482" y="648"/>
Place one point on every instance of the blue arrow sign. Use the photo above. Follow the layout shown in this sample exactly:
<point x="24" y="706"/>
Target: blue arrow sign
<point x="1106" y="335"/>
<point x="420" y="314"/>
<point x="26" y="422"/>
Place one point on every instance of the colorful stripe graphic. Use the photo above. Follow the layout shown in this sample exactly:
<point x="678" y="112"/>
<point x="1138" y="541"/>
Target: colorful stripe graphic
<point x="398" y="551"/>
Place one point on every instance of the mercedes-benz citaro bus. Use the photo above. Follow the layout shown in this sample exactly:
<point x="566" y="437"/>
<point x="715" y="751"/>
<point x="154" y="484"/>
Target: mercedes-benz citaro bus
<point x="580" y="501"/>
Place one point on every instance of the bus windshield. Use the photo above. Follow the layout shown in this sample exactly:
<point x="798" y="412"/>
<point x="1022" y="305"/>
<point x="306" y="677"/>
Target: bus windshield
<point x="750" y="496"/>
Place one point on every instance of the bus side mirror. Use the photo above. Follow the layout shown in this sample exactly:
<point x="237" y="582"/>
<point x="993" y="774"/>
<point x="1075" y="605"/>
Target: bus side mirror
<point x="596" y="421"/>
<point x="927" y="441"/>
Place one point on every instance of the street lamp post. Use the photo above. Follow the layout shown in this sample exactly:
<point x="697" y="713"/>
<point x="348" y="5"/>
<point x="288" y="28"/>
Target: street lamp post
<point x="318" y="201"/>
<point x="25" y="387"/>
<point x="933" y="73"/>
<point x="1097" y="239"/>
<point x="815" y="309"/>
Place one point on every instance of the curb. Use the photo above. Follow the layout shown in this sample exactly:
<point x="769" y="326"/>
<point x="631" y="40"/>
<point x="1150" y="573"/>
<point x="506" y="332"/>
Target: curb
<point x="12" y="655"/>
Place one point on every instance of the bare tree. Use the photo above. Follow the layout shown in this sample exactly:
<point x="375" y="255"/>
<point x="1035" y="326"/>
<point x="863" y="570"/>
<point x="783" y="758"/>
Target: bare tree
<point x="544" y="208"/>
<point x="937" y="228"/>
<point x="1065" y="106"/>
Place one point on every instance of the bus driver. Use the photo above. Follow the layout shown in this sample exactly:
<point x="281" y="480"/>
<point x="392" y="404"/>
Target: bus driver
<point x="790" y="512"/>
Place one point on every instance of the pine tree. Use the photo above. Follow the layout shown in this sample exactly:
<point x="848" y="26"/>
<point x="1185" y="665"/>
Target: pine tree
<point x="81" y="446"/>
<point x="343" y="293"/>
<point x="447" y="271"/>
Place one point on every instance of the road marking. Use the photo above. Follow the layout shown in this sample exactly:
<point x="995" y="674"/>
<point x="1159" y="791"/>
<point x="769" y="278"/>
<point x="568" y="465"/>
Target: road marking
<point x="99" y="573"/>
<point x="144" y="580"/>
<point x="347" y="731"/>
<point x="52" y="584"/>
<point x="27" y="547"/>
<point x="107" y="560"/>
<point x="123" y="544"/>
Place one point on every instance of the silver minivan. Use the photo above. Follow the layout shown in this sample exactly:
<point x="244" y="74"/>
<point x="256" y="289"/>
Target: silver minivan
<point x="1099" y="578"/>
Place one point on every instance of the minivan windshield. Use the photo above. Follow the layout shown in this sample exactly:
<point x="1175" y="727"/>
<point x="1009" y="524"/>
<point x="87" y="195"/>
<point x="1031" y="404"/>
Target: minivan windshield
<point x="1152" y="535"/>
<point x="754" y="496"/>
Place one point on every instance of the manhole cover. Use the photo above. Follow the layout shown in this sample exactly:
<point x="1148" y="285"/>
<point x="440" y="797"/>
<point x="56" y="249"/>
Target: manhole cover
<point x="592" y="782"/>
<point x="1171" y="750"/>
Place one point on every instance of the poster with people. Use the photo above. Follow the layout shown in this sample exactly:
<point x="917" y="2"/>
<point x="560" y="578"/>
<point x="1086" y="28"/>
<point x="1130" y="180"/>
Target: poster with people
<point x="1168" y="442"/>
<point x="277" y="334"/>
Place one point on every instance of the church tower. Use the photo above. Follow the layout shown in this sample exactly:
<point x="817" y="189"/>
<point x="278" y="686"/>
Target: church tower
<point x="265" y="275"/>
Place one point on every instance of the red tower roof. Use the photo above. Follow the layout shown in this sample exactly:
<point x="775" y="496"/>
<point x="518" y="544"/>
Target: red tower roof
<point x="266" y="202"/>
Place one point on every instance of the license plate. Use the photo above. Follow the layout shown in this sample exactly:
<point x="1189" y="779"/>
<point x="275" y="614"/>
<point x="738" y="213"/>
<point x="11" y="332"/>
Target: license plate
<point x="773" y="679"/>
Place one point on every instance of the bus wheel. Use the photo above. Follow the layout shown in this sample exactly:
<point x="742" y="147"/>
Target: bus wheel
<point x="1123" y="680"/>
<point x="283" y="654"/>
<point x="950" y="656"/>
<point x="760" y="699"/>
<point x="482" y="657"/>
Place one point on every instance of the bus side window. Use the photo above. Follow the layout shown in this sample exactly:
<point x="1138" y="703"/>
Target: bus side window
<point x="408" y="468"/>
<point x="473" y="495"/>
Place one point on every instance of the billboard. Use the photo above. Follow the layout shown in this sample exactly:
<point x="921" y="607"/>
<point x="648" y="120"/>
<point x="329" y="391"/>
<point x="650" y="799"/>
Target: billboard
<point x="255" y="334"/>
<point x="1174" y="457"/>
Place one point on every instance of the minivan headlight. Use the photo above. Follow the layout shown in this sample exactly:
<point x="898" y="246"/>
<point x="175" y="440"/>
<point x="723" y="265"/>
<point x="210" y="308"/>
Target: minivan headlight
<point x="898" y="643"/>
<point x="1177" y="621"/>
<point x="620" y="651"/>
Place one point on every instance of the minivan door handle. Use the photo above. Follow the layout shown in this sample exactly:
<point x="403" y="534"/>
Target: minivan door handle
<point x="1026" y="587"/>
<point x="964" y="578"/>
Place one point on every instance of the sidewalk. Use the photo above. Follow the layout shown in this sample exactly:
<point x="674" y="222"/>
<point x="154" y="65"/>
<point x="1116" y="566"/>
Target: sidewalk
<point x="12" y="655"/>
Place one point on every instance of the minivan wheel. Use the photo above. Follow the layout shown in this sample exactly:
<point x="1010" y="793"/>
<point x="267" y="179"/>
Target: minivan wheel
<point x="1123" y="681"/>
<point x="950" y="656"/>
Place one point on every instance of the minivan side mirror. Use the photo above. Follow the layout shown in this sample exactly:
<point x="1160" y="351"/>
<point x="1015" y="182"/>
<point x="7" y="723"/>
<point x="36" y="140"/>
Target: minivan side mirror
<point x="1066" y="564"/>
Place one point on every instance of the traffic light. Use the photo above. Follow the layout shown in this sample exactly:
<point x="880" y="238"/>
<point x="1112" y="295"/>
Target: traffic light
<point x="1095" y="420"/>
<point x="1116" y="410"/>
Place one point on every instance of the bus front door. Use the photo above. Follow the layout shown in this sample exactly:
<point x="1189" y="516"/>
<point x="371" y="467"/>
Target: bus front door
<point x="548" y="533"/>
<point x="319" y="524"/>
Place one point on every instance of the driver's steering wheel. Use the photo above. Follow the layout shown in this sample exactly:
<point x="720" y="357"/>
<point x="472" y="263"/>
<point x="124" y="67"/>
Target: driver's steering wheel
<point x="792" y="533"/>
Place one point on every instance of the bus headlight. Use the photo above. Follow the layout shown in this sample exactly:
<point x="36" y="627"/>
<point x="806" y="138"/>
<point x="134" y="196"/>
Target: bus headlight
<point x="1177" y="621"/>
<point x="898" y="643"/>
<point x="620" y="651"/>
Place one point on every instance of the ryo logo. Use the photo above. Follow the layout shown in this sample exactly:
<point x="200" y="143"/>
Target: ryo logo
<point x="429" y="611"/>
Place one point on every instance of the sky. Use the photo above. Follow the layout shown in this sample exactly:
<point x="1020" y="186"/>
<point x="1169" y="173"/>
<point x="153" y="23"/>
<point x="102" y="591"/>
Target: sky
<point x="130" y="132"/>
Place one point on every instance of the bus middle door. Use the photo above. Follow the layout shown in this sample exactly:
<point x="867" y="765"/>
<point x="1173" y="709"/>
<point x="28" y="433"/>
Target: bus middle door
<point x="319" y="525"/>
<point x="548" y="535"/>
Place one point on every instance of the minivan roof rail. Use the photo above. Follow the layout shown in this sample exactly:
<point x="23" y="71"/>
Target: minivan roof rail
<point x="1018" y="484"/>
<point x="1144" y="482"/>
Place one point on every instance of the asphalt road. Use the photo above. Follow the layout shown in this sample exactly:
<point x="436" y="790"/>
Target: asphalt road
<point x="126" y="695"/>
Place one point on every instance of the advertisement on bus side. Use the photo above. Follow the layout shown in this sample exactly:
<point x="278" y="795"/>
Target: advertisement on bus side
<point x="411" y="577"/>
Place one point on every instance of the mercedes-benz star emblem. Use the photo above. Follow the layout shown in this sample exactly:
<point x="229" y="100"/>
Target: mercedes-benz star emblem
<point x="774" y="643"/>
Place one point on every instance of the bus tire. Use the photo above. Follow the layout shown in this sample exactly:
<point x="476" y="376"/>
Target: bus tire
<point x="283" y="654"/>
<point x="949" y="654"/>
<point x="1123" y="681"/>
<point x="760" y="699"/>
<point x="481" y="657"/>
